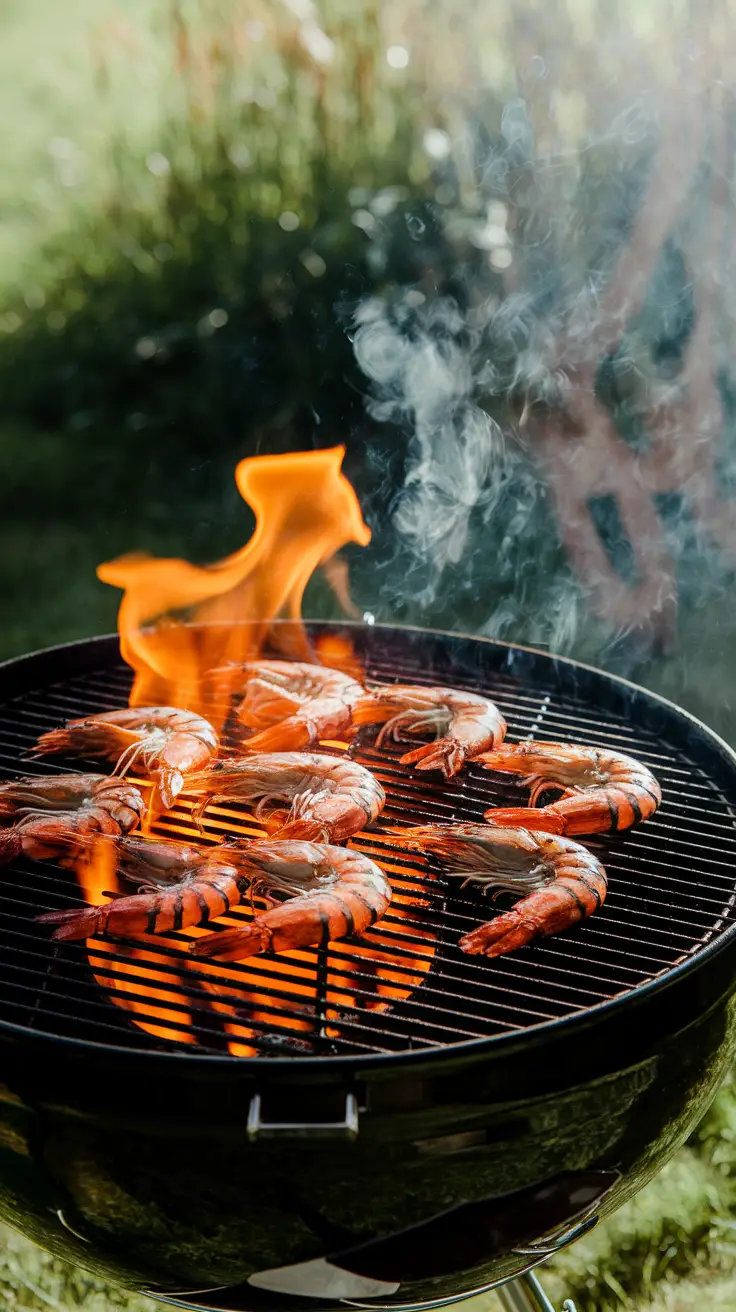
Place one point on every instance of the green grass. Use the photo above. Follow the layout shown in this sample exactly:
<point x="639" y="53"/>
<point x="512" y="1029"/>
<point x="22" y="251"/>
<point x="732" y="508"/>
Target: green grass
<point x="30" y="1278"/>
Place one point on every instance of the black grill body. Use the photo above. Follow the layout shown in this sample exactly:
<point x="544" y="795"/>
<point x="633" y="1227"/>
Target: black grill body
<point x="396" y="1158"/>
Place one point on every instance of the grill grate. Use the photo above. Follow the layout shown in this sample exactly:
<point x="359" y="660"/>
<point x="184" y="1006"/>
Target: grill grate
<point x="672" y="887"/>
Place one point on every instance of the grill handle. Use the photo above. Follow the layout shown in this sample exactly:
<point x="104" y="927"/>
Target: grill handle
<point x="257" y="1128"/>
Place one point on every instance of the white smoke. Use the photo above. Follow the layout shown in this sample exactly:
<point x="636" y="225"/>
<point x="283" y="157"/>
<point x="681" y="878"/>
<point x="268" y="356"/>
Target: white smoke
<point x="419" y="360"/>
<point x="585" y="225"/>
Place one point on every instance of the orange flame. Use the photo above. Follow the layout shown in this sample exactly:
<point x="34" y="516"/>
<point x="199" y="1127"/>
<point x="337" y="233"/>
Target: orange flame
<point x="367" y="972"/>
<point x="178" y="622"/>
<point x="128" y="973"/>
<point x="97" y="875"/>
<point x="305" y="512"/>
<point x="297" y="991"/>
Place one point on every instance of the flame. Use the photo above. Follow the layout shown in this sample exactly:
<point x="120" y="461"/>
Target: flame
<point x="392" y="976"/>
<point x="336" y="651"/>
<point x="259" y="1008"/>
<point x="309" y="993"/>
<point x="98" y="879"/>
<point x="305" y="512"/>
<point x="178" y="623"/>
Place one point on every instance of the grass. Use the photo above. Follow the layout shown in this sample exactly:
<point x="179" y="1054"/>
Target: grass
<point x="30" y="1278"/>
<point x="162" y="315"/>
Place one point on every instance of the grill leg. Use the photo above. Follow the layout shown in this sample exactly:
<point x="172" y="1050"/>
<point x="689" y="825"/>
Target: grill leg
<point x="526" y="1295"/>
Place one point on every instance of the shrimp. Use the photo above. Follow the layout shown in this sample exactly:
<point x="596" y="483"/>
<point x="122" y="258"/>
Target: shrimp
<point x="601" y="790"/>
<point x="563" y="881"/>
<point x="295" y="705"/>
<point x="464" y="722"/>
<point x="52" y="815"/>
<point x="330" y="797"/>
<point x="168" y="743"/>
<point x="336" y="892"/>
<point x="202" y="885"/>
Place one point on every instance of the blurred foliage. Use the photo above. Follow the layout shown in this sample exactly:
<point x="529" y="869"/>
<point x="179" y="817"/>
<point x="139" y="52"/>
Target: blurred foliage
<point x="31" y="1278"/>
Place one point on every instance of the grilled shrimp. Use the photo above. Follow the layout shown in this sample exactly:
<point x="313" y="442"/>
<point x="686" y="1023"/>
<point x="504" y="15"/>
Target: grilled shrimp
<point x="184" y="885"/>
<point x="336" y="892"/>
<point x="464" y="723"/>
<point x="563" y="881"/>
<point x="167" y="742"/>
<point x="601" y="790"/>
<point x="52" y="814"/>
<point x="330" y="797"/>
<point x="295" y="705"/>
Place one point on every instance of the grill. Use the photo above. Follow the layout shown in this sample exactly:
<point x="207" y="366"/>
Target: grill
<point x="404" y="985"/>
<point x="385" y="1122"/>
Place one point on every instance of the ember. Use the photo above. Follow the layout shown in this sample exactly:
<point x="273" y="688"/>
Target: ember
<point x="302" y="991"/>
<point x="99" y="882"/>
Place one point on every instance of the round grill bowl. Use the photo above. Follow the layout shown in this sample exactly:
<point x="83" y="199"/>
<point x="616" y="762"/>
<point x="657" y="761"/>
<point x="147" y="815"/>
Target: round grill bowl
<point x="390" y="1151"/>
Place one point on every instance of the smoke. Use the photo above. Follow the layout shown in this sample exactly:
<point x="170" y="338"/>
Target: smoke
<point x="420" y="361"/>
<point x="477" y="544"/>
<point x="559" y="372"/>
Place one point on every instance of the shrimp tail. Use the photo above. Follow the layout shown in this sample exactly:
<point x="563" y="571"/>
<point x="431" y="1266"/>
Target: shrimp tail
<point x="505" y="934"/>
<point x="446" y="754"/>
<point x="547" y="911"/>
<point x="543" y="820"/>
<point x="234" y="944"/>
<point x="55" y="740"/>
<point x="72" y="923"/>
<point x="126" y="916"/>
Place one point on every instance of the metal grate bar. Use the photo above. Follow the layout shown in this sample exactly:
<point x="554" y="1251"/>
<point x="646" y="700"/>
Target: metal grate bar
<point x="672" y="886"/>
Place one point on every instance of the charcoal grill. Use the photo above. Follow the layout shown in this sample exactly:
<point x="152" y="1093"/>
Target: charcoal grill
<point x="384" y="1122"/>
